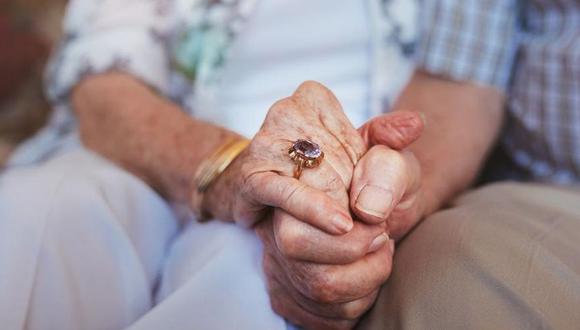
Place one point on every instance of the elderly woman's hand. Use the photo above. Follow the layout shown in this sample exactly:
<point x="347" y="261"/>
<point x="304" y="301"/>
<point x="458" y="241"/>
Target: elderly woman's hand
<point x="262" y="176"/>
<point x="323" y="281"/>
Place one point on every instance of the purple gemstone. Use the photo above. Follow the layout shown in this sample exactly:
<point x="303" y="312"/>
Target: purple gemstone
<point x="307" y="149"/>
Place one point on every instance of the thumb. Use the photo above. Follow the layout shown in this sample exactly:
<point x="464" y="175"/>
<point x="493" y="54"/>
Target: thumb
<point x="396" y="130"/>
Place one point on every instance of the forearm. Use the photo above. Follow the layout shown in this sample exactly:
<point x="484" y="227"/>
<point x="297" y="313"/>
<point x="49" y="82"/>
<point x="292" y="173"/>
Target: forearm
<point x="126" y="122"/>
<point x="463" y="121"/>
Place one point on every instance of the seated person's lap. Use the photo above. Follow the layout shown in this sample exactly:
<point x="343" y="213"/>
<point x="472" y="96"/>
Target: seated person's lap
<point x="503" y="256"/>
<point x="79" y="230"/>
<point x="78" y="226"/>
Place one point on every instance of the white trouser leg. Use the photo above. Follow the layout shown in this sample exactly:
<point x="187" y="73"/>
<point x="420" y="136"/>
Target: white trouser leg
<point x="82" y="244"/>
<point x="213" y="280"/>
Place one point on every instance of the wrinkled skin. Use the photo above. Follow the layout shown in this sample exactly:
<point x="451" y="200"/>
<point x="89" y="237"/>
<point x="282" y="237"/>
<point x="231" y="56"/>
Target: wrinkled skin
<point x="261" y="177"/>
<point x="322" y="275"/>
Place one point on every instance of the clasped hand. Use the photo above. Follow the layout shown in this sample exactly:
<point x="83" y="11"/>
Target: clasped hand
<point x="329" y="236"/>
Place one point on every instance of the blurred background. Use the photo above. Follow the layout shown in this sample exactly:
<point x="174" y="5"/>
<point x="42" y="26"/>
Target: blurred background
<point x="28" y="31"/>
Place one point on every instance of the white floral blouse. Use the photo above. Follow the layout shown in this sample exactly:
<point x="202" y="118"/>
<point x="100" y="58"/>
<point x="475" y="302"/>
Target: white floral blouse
<point x="179" y="46"/>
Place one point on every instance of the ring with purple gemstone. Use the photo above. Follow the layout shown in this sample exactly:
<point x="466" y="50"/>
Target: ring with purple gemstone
<point x="305" y="154"/>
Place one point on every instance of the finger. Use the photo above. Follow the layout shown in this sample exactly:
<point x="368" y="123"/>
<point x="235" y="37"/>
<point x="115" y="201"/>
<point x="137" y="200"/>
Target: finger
<point x="396" y="130"/>
<point x="380" y="181"/>
<point x="335" y="162"/>
<point x="283" y="304"/>
<point x="303" y="202"/>
<point x="300" y="241"/>
<point x="330" y="113"/>
<point x="351" y="310"/>
<point x="327" y="176"/>
<point x="333" y="284"/>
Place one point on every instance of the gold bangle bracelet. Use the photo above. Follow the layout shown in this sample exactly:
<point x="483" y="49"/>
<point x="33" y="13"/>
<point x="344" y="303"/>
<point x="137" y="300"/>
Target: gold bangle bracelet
<point x="210" y="169"/>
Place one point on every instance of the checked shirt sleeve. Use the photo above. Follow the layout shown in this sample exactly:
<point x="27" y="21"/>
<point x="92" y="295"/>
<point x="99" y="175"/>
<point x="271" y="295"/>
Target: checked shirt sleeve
<point x="107" y="35"/>
<point x="469" y="40"/>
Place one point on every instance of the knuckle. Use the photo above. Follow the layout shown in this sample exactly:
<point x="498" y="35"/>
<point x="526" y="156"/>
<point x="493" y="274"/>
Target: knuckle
<point x="279" y="107"/>
<point x="324" y="288"/>
<point x="313" y="92"/>
<point x="355" y="250"/>
<point x="288" y="240"/>
<point x="311" y="85"/>
<point x="353" y="310"/>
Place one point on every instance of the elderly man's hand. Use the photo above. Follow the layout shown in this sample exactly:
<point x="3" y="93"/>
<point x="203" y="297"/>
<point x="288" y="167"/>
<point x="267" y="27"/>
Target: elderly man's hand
<point x="320" y="281"/>
<point x="386" y="185"/>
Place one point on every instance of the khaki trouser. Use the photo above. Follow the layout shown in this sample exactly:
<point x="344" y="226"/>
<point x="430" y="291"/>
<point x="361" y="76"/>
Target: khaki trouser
<point x="505" y="256"/>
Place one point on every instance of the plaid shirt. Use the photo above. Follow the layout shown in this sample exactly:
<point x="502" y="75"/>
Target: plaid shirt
<point x="179" y="47"/>
<point x="530" y="49"/>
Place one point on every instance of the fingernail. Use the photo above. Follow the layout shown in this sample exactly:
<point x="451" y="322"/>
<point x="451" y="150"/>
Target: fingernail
<point x="342" y="224"/>
<point x="392" y="245"/>
<point x="378" y="242"/>
<point x="375" y="201"/>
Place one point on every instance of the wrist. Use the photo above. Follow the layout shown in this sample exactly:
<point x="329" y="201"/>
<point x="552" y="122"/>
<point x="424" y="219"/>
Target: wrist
<point x="210" y="180"/>
<point x="218" y="200"/>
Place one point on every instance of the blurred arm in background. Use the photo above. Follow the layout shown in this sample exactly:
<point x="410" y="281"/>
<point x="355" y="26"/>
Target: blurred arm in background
<point x="464" y="64"/>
